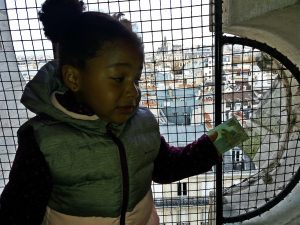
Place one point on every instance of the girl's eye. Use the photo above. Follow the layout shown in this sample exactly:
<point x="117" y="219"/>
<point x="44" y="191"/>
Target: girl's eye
<point x="118" y="79"/>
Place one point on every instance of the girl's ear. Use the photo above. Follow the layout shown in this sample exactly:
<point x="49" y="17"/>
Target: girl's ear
<point x="71" y="77"/>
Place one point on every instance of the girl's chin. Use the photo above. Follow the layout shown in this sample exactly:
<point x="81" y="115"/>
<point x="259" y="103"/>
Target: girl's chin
<point x="123" y="118"/>
<point x="120" y="116"/>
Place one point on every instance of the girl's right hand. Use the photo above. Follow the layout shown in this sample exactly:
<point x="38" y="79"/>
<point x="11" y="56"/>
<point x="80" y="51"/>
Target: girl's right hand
<point x="213" y="136"/>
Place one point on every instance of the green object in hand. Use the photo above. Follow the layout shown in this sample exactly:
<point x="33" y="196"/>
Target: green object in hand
<point x="230" y="134"/>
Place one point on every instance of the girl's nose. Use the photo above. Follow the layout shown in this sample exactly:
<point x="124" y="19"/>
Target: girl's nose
<point x="132" y="90"/>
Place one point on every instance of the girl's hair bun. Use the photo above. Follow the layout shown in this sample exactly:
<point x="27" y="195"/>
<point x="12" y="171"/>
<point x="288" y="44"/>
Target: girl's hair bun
<point x="58" y="16"/>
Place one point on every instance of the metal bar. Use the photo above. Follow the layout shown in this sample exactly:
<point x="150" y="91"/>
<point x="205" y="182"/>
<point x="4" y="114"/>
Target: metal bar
<point x="218" y="103"/>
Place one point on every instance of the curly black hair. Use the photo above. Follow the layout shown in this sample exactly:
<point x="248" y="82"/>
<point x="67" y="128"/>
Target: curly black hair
<point x="79" y="34"/>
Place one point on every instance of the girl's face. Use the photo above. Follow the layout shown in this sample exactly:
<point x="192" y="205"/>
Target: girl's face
<point x="109" y="82"/>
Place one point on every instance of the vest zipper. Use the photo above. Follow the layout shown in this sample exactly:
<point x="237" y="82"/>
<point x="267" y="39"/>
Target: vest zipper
<point x="125" y="176"/>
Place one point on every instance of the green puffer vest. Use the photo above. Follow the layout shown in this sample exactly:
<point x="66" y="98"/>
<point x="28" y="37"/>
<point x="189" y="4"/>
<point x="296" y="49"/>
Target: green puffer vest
<point x="86" y="167"/>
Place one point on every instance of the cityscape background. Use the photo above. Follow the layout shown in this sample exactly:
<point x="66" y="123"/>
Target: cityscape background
<point x="178" y="85"/>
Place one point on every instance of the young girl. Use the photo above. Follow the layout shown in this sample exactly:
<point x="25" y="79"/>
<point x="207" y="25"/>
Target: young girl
<point x="91" y="153"/>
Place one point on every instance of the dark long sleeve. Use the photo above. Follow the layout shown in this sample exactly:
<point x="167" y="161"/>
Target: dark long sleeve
<point x="25" y="197"/>
<point x="175" y="163"/>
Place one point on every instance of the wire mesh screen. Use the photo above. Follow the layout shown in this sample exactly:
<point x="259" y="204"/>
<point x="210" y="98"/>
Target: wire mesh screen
<point x="23" y="50"/>
<point x="264" y="95"/>
<point x="180" y="53"/>
<point x="178" y="70"/>
<point x="178" y="85"/>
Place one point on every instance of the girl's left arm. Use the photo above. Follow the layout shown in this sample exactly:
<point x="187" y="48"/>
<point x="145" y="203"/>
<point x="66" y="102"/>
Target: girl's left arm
<point x="25" y="197"/>
<point x="175" y="163"/>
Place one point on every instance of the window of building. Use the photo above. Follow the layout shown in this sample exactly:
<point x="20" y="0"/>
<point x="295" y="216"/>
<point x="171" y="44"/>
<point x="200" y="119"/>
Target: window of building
<point x="181" y="189"/>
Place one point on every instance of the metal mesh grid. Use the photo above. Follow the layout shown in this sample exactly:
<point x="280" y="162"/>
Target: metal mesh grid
<point x="178" y="53"/>
<point x="178" y="85"/>
<point x="24" y="49"/>
<point x="261" y="88"/>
